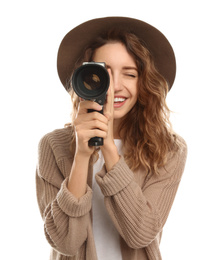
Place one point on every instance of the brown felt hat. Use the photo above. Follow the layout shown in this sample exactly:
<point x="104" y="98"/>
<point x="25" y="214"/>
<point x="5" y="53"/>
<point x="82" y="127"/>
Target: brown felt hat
<point x="75" y="42"/>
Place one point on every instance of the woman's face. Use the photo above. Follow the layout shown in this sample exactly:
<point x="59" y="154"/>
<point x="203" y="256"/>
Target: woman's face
<point x="123" y="73"/>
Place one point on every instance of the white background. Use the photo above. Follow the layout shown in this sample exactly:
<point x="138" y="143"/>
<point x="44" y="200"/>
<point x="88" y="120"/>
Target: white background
<point x="33" y="102"/>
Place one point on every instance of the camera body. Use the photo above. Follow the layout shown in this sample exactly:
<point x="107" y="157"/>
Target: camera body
<point x="91" y="82"/>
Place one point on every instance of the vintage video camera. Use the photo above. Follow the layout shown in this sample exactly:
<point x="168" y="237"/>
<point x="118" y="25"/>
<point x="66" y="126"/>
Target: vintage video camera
<point x="91" y="81"/>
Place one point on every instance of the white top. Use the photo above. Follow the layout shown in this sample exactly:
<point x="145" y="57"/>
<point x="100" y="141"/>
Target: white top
<point x="105" y="234"/>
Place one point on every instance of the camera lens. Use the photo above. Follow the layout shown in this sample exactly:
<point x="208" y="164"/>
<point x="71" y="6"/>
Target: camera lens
<point x="91" y="80"/>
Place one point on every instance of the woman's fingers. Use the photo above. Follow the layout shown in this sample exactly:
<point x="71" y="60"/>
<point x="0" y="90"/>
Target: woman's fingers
<point x="88" y="117"/>
<point x="85" y="135"/>
<point x="87" y="104"/>
<point x="92" y="124"/>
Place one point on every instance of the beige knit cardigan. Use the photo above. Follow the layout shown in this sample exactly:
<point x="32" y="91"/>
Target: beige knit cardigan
<point x="138" y="204"/>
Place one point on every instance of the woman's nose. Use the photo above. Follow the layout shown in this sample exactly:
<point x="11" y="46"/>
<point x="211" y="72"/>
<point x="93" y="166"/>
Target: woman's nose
<point x="115" y="81"/>
<point x="117" y="84"/>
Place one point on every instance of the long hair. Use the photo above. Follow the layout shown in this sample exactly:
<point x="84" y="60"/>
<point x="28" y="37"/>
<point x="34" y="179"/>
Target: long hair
<point x="146" y="130"/>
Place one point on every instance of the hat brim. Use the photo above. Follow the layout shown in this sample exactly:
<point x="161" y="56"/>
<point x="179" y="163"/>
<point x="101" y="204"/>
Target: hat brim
<point x="75" y="42"/>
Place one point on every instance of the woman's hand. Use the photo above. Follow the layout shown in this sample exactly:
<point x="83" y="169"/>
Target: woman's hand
<point x="88" y="125"/>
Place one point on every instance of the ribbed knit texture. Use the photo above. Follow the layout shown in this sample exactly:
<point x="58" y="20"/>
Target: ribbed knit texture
<point x="138" y="204"/>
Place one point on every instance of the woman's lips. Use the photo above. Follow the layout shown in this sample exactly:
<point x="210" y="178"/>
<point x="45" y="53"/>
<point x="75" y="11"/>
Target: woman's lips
<point x="119" y="101"/>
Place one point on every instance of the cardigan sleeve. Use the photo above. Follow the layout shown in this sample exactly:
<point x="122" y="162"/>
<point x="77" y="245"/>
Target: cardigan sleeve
<point x="139" y="213"/>
<point x="66" y="218"/>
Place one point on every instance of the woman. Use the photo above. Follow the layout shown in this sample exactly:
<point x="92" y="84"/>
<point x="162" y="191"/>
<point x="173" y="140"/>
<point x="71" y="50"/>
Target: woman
<point x="112" y="202"/>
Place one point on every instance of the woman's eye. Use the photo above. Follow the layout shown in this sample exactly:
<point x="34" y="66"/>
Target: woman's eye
<point x="131" y="75"/>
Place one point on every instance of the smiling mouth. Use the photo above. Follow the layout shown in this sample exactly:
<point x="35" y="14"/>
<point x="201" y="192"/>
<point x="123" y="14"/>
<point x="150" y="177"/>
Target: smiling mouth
<point x="119" y="102"/>
<point x="119" y="99"/>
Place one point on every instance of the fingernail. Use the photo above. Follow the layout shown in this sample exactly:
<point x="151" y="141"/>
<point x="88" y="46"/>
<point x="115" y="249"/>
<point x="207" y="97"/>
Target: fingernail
<point x="100" y="107"/>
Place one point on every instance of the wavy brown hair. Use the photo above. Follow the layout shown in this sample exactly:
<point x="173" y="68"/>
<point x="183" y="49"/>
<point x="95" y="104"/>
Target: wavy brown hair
<point x="148" y="140"/>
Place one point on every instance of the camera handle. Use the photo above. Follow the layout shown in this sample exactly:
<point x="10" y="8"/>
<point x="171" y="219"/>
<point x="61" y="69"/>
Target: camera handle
<point x="95" y="141"/>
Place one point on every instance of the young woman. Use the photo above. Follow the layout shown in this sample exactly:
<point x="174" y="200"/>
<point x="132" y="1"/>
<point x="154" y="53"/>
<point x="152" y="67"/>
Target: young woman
<point x="112" y="202"/>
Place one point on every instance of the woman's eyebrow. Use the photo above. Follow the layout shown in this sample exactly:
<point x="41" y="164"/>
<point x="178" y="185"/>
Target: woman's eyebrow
<point x="124" y="68"/>
<point x="129" y="68"/>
